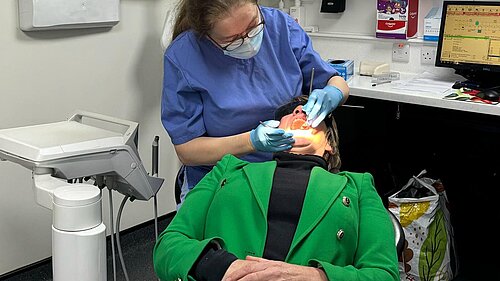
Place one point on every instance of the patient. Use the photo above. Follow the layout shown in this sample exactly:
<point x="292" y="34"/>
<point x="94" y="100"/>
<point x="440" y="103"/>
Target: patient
<point x="292" y="218"/>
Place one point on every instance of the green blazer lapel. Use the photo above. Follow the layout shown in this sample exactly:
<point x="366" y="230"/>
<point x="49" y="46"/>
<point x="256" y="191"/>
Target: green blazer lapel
<point x="260" y="178"/>
<point x="323" y="189"/>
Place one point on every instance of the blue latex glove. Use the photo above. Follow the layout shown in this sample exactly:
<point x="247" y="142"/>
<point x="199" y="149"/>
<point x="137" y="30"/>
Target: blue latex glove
<point x="268" y="137"/>
<point x="321" y="102"/>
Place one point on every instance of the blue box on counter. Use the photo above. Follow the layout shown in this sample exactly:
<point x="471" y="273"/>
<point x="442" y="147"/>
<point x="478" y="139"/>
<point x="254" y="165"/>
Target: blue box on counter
<point x="344" y="67"/>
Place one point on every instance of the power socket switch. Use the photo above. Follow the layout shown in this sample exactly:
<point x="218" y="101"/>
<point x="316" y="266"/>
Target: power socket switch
<point x="401" y="52"/>
<point x="428" y="55"/>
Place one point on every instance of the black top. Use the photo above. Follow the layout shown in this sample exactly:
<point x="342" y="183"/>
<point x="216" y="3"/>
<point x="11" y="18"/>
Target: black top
<point x="287" y="197"/>
<point x="285" y="205"/>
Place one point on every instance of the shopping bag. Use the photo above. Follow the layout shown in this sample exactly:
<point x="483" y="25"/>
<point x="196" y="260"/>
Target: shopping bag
<point x="422" y="209"/>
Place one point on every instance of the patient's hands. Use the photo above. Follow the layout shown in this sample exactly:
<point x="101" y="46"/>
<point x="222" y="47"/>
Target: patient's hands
<point x="253" y="268"/>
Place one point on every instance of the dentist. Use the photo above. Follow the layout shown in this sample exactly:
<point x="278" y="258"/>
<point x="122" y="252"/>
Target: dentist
<point x="230" y="64"/>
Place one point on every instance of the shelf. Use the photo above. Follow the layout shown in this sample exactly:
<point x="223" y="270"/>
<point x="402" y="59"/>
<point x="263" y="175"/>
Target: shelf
<point x="351" y="36"/>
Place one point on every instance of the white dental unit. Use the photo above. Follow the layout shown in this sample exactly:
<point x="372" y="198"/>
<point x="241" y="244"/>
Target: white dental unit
<point x="86" y="145"/>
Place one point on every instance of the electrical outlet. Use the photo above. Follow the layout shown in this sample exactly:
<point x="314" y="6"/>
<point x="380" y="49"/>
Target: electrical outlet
<point x="401" y="52"/>
<point x="428" y="55"/>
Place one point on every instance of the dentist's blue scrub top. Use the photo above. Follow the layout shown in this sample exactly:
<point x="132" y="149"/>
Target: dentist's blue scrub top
<point x="207" y="93"/>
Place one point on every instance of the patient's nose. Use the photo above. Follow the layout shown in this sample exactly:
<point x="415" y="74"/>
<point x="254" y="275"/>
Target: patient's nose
<point x="298" y="112"/>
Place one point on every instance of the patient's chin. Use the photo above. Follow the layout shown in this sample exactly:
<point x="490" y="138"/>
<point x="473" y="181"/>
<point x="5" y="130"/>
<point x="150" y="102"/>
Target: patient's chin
<point x="301" y="142"/>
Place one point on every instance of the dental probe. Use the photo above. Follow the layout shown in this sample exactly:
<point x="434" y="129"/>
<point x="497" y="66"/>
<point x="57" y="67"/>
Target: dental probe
<point x="311" y="87"/>
<point x="311" y="84"/>
<point x="265" y="125"/>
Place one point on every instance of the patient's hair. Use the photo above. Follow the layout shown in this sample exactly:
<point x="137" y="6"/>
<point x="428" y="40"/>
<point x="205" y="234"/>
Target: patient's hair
<point x="333" y="157"/>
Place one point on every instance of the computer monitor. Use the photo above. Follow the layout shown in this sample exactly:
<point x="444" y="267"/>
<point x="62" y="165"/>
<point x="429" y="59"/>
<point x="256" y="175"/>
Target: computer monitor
<point x="469" y="41"/>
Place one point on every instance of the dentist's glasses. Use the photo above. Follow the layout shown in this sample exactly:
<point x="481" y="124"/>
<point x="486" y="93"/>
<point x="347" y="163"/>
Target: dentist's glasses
<point x="235" y="44"/>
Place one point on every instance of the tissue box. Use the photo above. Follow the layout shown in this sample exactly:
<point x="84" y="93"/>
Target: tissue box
<point x="397" y="19"/>
<point x="344" y="67"/>
<point x="432" y="22"/>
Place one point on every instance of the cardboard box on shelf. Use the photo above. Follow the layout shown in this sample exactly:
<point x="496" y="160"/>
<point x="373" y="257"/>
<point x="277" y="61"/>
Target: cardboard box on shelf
<point x="397" y="19"/>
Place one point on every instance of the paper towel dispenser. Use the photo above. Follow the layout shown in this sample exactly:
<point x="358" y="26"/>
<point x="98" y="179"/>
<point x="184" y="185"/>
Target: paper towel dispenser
<point x="332" y="6"/>
<point x="67" y="14"/>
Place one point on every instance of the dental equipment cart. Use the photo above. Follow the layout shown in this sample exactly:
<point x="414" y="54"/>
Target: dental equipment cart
<point x="87" y="145"/>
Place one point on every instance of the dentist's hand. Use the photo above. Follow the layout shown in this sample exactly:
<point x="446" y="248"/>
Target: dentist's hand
<point x="268" y="137"/>
<point x="321" y="102"/>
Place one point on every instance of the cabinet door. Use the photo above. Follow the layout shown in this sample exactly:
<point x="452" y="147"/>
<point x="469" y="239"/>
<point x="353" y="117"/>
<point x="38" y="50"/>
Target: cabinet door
<point x="395" y="141"/>
<point x="366" y="138"/>
<point x="463" y="150"/>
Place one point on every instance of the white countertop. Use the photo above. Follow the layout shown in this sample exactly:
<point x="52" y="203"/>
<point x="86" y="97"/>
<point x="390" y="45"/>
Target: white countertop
<point x="361" y="86"/>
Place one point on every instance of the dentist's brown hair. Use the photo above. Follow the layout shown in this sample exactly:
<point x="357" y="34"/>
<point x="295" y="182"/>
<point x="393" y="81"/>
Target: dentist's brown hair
<point x="201" y="15"/>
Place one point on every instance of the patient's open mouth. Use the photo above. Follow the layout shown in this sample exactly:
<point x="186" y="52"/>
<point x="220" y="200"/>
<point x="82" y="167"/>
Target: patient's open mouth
<point x="299" y="124"/>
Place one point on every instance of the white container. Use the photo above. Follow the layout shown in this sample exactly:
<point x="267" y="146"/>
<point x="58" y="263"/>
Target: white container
<point x="76" y="207"/>
<point x="79" y="255"/>
<point x="78" y="234"/>
<point x="298" y="13"/>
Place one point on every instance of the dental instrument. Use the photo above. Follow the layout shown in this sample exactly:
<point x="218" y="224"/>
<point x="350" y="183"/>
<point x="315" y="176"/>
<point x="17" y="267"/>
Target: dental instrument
<point x="265" y="125"/>
<point x="311" y="83"/>
<point x="310" y="90"/>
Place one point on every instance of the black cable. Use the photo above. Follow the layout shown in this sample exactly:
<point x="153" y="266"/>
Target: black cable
<point x="112" y="232"/>
<point x="155" y="174"/>
<point x="154" y="158"/>
<point x="118" y="237"/>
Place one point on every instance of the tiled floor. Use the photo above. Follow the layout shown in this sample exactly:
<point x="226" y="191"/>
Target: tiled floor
<point x="137" y="247"/>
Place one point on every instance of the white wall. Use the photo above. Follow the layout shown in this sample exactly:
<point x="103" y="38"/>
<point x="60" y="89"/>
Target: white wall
<point x="45" y="76"/>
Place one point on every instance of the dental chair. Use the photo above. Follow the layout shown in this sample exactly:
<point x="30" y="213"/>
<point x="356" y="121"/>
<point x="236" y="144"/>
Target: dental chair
<point x="177" y="187"/>
<point x="399" y="235"/>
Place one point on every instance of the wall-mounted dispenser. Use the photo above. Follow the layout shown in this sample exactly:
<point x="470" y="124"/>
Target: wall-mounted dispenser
<point x="298" y="13"/>
<point x="332" y="6"/>
<point x="67" y="14"/>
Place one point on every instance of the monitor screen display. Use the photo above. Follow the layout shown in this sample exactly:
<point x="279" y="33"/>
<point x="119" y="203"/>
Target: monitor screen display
<point x="469" y="38"/>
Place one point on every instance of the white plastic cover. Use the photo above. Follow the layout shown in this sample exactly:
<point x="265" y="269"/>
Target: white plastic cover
<point x="72" y="149"/>
<point x="168" y="27"/>
<point x="63" y="14"/>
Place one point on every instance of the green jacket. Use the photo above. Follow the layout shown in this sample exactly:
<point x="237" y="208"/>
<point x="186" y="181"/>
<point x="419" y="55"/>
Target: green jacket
<point x="343" y="227"/>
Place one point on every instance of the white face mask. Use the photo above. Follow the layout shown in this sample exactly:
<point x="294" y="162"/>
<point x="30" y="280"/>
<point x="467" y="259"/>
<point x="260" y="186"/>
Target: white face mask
<point x="248" y="49"/>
